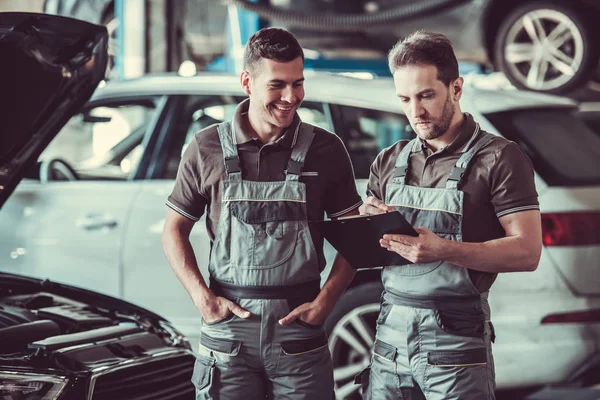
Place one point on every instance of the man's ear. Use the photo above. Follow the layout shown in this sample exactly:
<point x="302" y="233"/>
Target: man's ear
<point x="456" y="88"/>
<point x="245" y="81"/>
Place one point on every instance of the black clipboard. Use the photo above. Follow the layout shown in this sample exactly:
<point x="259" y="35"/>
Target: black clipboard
<point x="357" y="238"/>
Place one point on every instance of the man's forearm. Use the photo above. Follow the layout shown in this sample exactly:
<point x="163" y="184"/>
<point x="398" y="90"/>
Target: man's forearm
<point x="180" y="254"/>
<point x="340" y="277"/>
<point x="508" y="254"/>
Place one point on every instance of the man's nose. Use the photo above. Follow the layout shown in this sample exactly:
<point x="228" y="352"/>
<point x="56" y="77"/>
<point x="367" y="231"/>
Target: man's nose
<point x="288" y="94"/>
<point x="416" y="109"/>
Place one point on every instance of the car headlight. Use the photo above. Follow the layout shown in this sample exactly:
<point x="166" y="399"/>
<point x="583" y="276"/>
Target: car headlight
<point x="25" y="386"/>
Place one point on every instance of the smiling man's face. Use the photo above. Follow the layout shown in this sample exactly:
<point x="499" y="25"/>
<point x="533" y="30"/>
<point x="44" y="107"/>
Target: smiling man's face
<point x="276" y="90"/>
<point x="427" y="102"/>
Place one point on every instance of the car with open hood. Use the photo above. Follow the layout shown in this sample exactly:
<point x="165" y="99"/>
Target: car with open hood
<point x="58" y="341"/>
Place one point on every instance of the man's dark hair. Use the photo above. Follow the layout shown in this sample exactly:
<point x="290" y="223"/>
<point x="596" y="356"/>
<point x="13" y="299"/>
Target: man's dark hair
<point x="425" y="48"/>
<point x="273" y="44"/>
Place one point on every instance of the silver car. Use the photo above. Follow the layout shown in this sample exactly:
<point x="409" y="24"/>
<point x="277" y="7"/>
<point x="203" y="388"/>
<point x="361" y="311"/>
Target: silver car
<point x="93" y="211"/>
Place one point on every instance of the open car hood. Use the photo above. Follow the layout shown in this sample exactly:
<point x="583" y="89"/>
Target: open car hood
<point x="50" y="67"/>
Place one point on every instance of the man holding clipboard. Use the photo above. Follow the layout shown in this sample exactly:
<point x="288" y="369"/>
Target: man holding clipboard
<point x="471" y="197"/>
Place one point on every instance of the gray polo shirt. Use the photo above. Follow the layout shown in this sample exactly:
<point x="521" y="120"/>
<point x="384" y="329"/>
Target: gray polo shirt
<point x="499" y="181"/>
<point x="327" y="173"/>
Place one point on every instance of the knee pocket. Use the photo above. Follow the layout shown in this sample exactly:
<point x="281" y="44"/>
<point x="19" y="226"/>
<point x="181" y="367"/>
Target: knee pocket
<point x="203" y="373"/>
<point x="384" y="381"/>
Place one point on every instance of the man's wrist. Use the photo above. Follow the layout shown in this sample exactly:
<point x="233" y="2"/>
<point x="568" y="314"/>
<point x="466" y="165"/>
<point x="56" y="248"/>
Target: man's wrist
<point x="204" y="297"/>
<point x="326" y="300"/>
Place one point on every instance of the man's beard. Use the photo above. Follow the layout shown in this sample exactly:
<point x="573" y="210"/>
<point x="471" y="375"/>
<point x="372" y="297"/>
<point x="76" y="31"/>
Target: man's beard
<point x="442" y="126"/>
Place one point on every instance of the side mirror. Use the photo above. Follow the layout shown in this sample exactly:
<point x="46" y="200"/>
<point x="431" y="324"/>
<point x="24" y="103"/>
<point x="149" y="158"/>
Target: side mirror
<point x="87" y="117"/>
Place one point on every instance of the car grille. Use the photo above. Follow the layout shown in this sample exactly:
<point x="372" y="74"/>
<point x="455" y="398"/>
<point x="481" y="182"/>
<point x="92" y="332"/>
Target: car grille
<point x="164" y="379"/>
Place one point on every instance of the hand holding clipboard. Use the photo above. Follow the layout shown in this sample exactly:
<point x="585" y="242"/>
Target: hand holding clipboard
<point x="357" y="238"/>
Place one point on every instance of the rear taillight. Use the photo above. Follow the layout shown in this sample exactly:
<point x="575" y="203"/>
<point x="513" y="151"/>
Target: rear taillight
<point x="573" y="317"/>
<point x="571" y="229"/>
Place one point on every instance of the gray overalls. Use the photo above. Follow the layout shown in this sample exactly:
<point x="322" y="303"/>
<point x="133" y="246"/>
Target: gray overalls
<point x="433" y="338"/>
<point x="263" y="259"/>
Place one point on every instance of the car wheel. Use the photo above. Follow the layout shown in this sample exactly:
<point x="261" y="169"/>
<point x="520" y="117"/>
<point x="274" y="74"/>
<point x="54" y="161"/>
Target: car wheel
<point x="351" y="328"/>
<point x="545" y="47"/>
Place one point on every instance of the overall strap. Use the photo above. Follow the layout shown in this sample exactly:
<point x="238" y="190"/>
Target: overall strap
<point x="302" y="140"/>
<point x="458" y="171"/>
<point x="230" y="153"/>
<point x="401" y="166"/>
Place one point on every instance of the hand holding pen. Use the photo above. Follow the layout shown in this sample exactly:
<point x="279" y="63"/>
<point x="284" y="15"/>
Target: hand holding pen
<point x="374" y="206"/>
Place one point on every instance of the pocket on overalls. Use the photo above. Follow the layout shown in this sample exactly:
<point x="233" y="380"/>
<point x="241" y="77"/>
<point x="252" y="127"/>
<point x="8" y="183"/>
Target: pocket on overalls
<point x="303" y="324"/>
<point x="203" y="371"/>
<point x="226" y="318"/>
<point x="225" y="352"/>
<point x="264" y="233"/>
<point x="458" y="374"/>
<point x="468" y="322"/>
<point x="304" y="346"/>
<point x="384" y="381"/>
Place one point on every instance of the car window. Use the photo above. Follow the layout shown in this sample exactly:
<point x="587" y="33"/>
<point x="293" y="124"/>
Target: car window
<point x="104" y="142"/>
<point x="366" y="132"/>
<point x="203" y="111"/>
<point x="562" y="148"/>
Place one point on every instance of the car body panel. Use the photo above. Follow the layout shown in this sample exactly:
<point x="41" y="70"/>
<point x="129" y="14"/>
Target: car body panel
<point x="72" y="233"/>
<point x="148" y="277"/>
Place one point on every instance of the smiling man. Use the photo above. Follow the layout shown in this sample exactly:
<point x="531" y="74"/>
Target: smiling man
<point x="472" y="199"/>
<point x="262" y="177"/>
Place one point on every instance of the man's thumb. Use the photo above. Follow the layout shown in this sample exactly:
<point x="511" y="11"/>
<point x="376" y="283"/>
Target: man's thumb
<point x="288" y="319"/>
<point x="239" y="311"/>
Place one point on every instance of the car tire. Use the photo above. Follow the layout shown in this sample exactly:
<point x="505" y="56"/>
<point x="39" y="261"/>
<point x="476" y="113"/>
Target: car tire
<point x="351" y="330"/>
<point x="534" y="56"/>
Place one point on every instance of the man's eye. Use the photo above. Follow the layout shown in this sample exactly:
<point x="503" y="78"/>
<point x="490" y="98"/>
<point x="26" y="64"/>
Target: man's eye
<point x="298" y="85"/>
<point x="404" y="100"/>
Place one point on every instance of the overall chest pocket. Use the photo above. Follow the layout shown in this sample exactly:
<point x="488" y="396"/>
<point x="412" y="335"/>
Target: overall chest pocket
<point x="264" y="233"/>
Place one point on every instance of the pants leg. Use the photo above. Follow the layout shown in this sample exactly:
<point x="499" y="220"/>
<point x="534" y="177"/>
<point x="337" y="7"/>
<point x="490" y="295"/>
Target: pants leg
<point x="257" y="358"/>
<point x="415" y="358"/>
<point x="456" y="355"/>
<point x="228" y="364"/>
<point x="217" y="380"/>
<point x="303" y="376"/>
<point x="391" y="375"/>
<point x="300" y="364"/>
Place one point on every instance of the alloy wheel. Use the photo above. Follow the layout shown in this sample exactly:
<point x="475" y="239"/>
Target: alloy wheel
<point x="350" y="343"/>
<point x="544" y="49"/>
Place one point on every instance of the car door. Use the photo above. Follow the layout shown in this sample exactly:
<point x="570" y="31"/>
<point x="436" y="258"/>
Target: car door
<point x="67" y="222"/>
<point x="150" y="281"/>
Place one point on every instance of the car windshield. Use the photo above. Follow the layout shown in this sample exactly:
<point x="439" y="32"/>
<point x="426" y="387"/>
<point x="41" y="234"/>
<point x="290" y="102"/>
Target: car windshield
<point x="563" y="149"/>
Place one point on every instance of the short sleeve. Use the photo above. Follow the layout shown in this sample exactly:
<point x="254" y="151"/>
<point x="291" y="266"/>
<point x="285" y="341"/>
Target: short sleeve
<point x="341" y="194"/>
<point x="374" y="177"/>
<point x="382" y="168"/>
<point x="512" y="184"/>
<point x="186" y="197"/>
